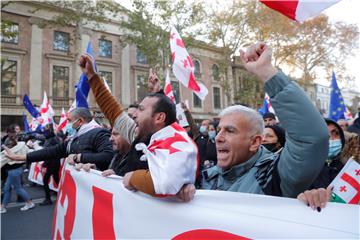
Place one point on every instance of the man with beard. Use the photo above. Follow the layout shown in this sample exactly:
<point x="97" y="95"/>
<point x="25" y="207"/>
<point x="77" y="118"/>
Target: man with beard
<point x="155" y="116"/>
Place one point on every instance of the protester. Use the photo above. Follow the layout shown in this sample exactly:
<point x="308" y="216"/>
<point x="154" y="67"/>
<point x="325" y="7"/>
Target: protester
<point x="210" y="156"/>
<point x="316" y="198"/>
<point x="246" y="166"/>
<point x="14" y="173"/>
<point x="333" y="164"/>
<point x="201" y="141"/>
<point x="355" y="127"/>
<point x="16" y="130"/>
<point x="155" y="117"/>
<point x="269" y="119"/>
<point x="52" y="165"/>
<point x="88" y="143"/>
<point x="273" y="138"/>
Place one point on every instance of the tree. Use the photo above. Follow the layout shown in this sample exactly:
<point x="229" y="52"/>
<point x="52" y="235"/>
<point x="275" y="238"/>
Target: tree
<point x="228" y="28"/>
<point x="148" y="26"/>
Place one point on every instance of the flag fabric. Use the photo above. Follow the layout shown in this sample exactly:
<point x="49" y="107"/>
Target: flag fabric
<point x="46" y="112"/>
<point x="183" y="67"/>
<point x="337" y="106"/>
<point x="168" y="89"/>
<point x="83" y="88"/>
<point x="180" y="115"/>
<point x="30" y="107"/>
<point x="348" y="115"/>
<point x="347" y="184"/>
<point x="62" y="122"/>
<point x="90" y="206"/>
<point x="170" y="148"/>
<point x="266" y="106"/>
<point x="25" y="122"/>
<point x="299" y="10"/>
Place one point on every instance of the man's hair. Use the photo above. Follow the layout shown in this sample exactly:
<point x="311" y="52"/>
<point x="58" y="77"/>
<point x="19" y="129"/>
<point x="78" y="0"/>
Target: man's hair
<point x="82" y="112"/>
<point x="165" y="105"/>
<point x="11" y="128"/>
<point x="251" y="115"/>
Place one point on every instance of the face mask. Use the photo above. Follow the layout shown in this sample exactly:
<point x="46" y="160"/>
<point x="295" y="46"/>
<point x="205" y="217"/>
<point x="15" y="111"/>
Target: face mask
<point x="334" y="148"/>
<point x="270" y="146"/>
<point x="212" y="134"/>
<point x="203" y="129"/>
<point x="69" y="128"/>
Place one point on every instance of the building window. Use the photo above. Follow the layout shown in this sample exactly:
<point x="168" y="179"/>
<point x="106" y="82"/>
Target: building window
<point x="141" y="87"/>
<point x="140" y="57"/>
<point x="197" y="70"/>
<point x="176" y="90"/>
<point x="61" y="41"/>
<point x="10" y="32"/>
<point x="108" y="78"/>
<point x="196" y="101"/>
<point x="8" y="77"/>
<point x="215" y="72"/>
<point x="217" y="97"/>
<point x="105" y="48"/>
<point x="60" y="82"/>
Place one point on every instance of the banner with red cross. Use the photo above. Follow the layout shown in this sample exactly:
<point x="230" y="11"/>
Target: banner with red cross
<point x="37" y="172"/>
<point x="347" y="184"/>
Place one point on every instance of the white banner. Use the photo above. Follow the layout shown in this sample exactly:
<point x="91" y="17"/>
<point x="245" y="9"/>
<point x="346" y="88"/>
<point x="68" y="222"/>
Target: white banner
<point x="37" y="172"/>
<point x="91" y="206"/>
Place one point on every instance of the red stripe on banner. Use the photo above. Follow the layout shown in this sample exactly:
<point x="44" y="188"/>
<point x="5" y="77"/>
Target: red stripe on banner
<point x="350" y="180"/>
<point x="202" y="234"/>
<point x="288" y="8"/>
<point x="103" y="214"/>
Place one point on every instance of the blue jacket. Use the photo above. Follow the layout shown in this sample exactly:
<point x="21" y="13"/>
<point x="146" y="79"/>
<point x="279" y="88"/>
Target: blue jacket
<point x="293" y="170"/>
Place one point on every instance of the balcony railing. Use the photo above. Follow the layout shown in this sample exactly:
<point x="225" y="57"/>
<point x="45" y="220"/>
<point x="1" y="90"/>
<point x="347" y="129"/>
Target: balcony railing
<point x="62" y="102"/>
<point x="10" y="99"/>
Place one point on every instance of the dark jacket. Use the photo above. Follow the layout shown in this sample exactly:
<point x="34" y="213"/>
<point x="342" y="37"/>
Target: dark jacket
<point x="355" y="128"/>
<point x="131" y="161"/>
<point x="330" y="170"/>
<point x="94" y="147"/>
<point x="49" y="142"/>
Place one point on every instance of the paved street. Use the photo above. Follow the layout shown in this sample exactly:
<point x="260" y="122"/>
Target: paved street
<point x="32" y="224"/>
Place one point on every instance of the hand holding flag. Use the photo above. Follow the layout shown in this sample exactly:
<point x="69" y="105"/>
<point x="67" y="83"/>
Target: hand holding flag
<point x="153" y="82"/>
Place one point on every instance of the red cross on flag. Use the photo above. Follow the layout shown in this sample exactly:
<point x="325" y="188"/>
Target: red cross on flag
<point x="46" y="111"/>
<point x="168" y="89"/>
<point x="299" y="10"/>
<point x="63" y="121"/>
<point x="183" y="67"/>
<point x="172" y="157"/>
<point x="347" y="184"/>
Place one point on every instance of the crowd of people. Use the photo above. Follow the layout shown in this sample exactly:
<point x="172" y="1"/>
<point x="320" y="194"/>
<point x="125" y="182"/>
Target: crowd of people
<point x="295" y="153"/>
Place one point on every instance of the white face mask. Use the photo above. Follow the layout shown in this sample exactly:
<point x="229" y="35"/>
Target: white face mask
<point x="203" y="129"/>
<point x="212" y="134"/>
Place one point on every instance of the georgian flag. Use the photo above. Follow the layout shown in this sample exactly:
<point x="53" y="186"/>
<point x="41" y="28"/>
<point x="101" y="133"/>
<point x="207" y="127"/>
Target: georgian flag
<point x="168" y="89"/>
<point x="172" y="157"/>
<point x="347" y="184"/>
<point x="63" y="121"/>
<point x="183" y="67"/>
<point x="348" y="115"/>
<point x="46" y="112"/>
<point x="299" y="10"/>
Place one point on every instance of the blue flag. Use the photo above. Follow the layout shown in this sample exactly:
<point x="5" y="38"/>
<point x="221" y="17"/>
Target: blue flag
<point x="30" y="107"/>
<point x="337" y="106"/>
<point x="26" y="124"/>
<point x="83" y="88"/>
<point x="264" y="109"/>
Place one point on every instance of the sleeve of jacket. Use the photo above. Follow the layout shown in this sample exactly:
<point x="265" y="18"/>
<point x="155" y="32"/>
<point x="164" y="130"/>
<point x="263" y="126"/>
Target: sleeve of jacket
<point x="103" y="152"/>
<point x="106" y="101"/>
<point x="307" y="137"/>
<point x="141" y="180"/>
<point x="55" y="152"/>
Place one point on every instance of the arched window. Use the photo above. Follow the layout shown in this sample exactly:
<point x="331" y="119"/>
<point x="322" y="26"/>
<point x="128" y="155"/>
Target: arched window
<point x="197" y="70"/>
<point x="215" y="72"/>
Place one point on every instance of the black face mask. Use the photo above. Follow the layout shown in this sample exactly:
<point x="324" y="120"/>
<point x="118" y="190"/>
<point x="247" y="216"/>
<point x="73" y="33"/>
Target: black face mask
<point x="271" y="147"/>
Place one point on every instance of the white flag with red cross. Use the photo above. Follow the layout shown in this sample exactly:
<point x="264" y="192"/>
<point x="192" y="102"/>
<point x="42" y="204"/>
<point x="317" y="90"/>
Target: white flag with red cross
<point x="172" y="157"/>
<point x="348" y="115"/>
<point x="347" y="184"/>
<point x="46" y="112"/>
<point x="63" y="121"/>
<point x="183" y="67"/>
<point x="168" y="89"/>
